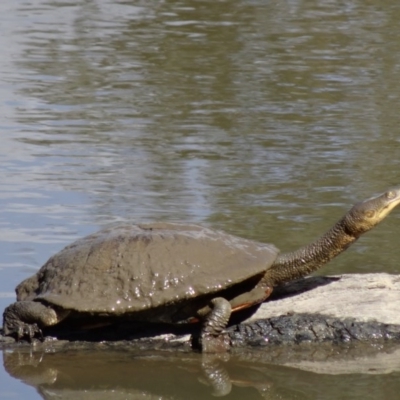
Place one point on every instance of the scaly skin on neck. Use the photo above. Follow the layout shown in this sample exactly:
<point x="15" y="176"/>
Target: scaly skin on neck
<point x="301" y="262"/>
<point x="358" y="220"/>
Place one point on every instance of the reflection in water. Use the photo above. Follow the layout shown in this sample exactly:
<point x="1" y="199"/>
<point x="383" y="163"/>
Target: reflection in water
<point x="123" y="374"/>
<point x="88" y="375"/>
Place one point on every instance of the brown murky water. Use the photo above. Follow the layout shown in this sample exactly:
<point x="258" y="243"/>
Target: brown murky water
<point x="264" y="119"/>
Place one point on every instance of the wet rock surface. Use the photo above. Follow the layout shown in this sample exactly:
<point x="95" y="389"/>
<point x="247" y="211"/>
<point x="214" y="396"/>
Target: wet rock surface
<point x="301" y="328"/>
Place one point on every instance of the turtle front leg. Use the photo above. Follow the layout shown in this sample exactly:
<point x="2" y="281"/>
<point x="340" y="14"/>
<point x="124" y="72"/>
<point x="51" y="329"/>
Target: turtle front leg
<point x="212" y="337"/>
<point x="24" y="319"/>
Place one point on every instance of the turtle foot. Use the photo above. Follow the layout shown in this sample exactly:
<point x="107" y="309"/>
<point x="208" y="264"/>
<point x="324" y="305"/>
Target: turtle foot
<point x="212" y="338"/>
<point x="29" y="332"/>
<point x="22" y="331"/>
<point x="22" y="319"/>
<point x="215" y="344"/>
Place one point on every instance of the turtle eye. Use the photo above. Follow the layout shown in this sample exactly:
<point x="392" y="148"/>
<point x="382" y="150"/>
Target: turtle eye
<point x="369" y="214"/>
<point x="390" y="194"/>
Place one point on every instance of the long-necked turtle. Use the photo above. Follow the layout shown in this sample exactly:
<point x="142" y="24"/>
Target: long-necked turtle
<point x="174" y="273"/>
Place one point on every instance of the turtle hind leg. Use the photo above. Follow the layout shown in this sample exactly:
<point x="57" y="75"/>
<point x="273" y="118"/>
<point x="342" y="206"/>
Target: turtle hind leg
<point x="24" y="319"/>
<point x="212" y="336"/>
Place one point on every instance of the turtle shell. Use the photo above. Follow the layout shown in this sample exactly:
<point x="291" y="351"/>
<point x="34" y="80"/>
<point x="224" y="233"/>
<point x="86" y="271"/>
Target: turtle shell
<point x="139" y="267"/>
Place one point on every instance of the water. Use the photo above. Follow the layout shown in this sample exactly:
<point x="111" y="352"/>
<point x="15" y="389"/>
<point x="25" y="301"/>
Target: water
<point x="264" y="119"/>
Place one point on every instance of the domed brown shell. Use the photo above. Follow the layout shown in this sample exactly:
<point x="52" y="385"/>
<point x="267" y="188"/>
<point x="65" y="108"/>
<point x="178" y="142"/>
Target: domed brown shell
<point x="137" y="267"/>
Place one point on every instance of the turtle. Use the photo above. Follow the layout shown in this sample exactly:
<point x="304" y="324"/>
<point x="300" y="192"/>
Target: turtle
<point x="174" y="273"/>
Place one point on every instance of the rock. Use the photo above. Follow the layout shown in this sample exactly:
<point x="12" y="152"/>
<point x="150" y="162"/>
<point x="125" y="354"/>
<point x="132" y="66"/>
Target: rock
<point x="363" y="297"/>
<point x="339" y="309"/>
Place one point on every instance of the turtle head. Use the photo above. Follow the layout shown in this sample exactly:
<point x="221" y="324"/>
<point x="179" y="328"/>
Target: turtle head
<point x="367" y="214"/>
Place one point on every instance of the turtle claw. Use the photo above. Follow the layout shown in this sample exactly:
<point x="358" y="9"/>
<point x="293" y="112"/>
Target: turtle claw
<point x="29" y="332"/>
